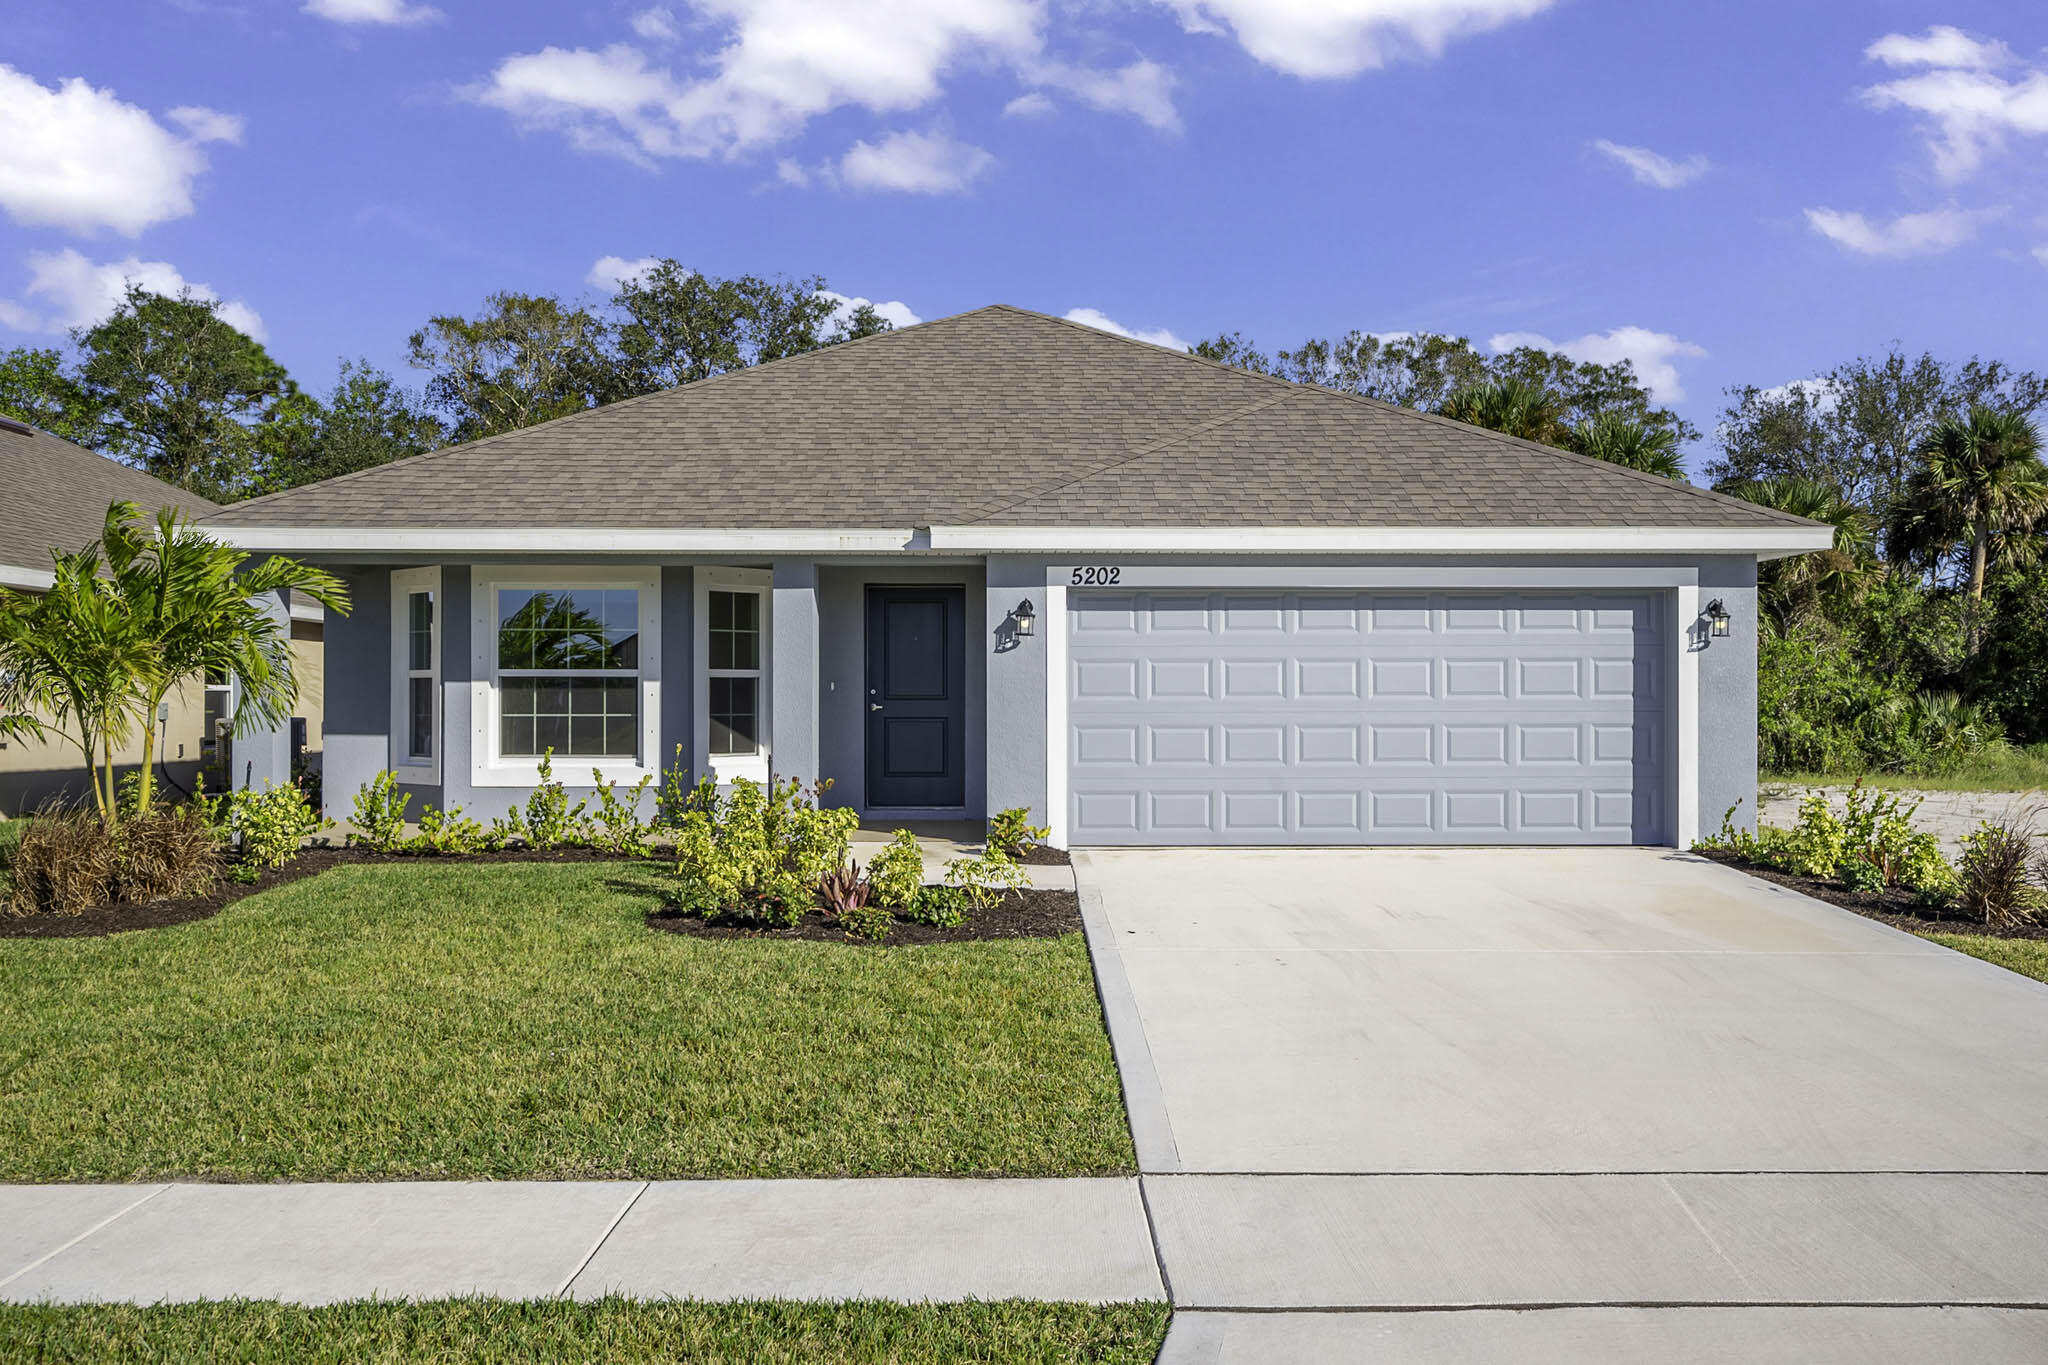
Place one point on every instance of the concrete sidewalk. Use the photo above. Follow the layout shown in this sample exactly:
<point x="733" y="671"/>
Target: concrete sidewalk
<point x="905" y="1239"/>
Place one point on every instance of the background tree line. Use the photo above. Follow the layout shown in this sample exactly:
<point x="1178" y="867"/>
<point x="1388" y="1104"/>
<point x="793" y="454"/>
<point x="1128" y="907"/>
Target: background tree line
<point x="169" y="386"/>
<point x="1918" y="642"/>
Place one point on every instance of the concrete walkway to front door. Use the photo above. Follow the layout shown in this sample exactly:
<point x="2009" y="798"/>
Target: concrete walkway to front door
<point x="1540" y="1104"/>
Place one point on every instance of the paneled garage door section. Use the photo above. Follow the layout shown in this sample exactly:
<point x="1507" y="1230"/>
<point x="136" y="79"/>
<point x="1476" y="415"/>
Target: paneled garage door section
<point x="1347" y="718"/>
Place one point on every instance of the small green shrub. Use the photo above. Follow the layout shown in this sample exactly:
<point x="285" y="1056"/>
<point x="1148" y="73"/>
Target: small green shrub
<point x="757" y="855"/>
<point x="1816" y="845"/>
<point x="547" y="821"/>
<point x="679" y="795"/>
<point x="617" y="827"/>
<point x="1996" y="876"/>
<point x="868" y="921"/>
<point x="273" y="823"/>
<point x="446" y="833"/>
<point x="379" y="814"/>
<point x="897" y="872"/>
<point x="987" y="879"/>
<point x="1858" y="874"/>
<point x="1011" y="832"/>
<point x="942" y="907"/>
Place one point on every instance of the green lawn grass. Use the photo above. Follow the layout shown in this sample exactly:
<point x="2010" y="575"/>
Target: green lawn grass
<point x="520" y="1021"/>
<point x="611" y="1330"/>
<point x="2008" y="770"/>
<point x="2027" y="956"/>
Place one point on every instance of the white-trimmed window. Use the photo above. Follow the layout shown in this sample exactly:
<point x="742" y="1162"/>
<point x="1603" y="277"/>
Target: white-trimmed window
<point x="567" y="661"/>
<point x="416" y="611"/>
<point x="732" y="646"/>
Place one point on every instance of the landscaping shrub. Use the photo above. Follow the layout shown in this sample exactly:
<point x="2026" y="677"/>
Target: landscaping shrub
<point x="848" y="901"/>
<point x="379" y="814"/>
<point x="757" y="855"/>
<point x="1998" y="875"/>
<point x="679" y="795"/>
<point x="1011" y="832"/>
<point x="1816" y="845"/>
<point x="272" y="823"/>
<point x="897" y="872"/>
<point x="547" y="821"/>
<point x="449" y="833"/>
<point x="69" y="862"/>
<point x="617" y="827"/>
<point x="943" y="907"/>
<point x="987" y="879"/>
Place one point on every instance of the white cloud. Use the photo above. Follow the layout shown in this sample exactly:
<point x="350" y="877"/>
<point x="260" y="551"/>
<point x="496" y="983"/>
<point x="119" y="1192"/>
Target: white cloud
<point x="1143" y="89"/>
<point x="387" y="12"/>
<point x="657" y="25"/>
<point x="1650" y="168"/>
<point x="1910" y="234"/>
<point x="609" y="272"/>
<point x="896" y="312"/>
<point x="2041" y="254"/>
<point x="16" y="318"/>
<point x="784" y="63"/>
<point x="207" y="125"/>
<point x="79" y="293"/>
<point x="1941" y="45"/>
<point x="1330" y="38"/>
<point x="79" y="158"/>
<point x="1655" y="355"/>
<point x="1102" y="322"/>
<point x="1030" y="104"/>
<point x="915" y="163"/>
<point x="1966" y="107"/>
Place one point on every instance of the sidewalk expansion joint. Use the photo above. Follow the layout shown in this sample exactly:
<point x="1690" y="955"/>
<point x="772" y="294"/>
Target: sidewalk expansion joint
<point x="602" y="1237"/>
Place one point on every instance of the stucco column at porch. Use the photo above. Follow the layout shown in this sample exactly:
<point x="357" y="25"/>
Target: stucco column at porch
<point x="793" y="671"/>
<point x="1016" y="691"/>
<point x="265" y="755"/>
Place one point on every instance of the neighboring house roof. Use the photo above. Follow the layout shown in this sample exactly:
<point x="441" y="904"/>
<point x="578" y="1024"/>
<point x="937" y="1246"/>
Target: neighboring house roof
<point x="57" y="495"/>
<point x="999" y="420"/>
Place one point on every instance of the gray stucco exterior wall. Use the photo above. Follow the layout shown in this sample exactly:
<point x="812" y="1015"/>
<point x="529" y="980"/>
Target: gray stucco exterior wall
<point x="793" y="671"/>
<point x="358" y="700"/>
<point x="1016" y="691"/>
<point x="1727" y="705"/>
<point x="261" y="758"/>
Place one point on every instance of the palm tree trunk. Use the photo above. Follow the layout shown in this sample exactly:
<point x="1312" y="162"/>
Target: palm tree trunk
<point x="1980" y="559"/>
<point x="144" y="794"/>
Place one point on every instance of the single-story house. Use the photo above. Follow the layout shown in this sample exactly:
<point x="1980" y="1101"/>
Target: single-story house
<point x="1003" y="560"/>
<point x="55" y="498"/>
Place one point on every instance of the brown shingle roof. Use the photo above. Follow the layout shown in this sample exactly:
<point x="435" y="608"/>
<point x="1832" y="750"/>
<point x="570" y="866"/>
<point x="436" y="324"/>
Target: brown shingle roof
<point x="998" y="417"/>
<point x="54" y="495"/>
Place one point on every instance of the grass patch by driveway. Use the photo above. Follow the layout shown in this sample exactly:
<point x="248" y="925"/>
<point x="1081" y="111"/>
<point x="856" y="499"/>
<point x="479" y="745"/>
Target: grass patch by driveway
<point x="521" y="1021"/>
<point x="612" y="1330"/>
<point x="2008" y="770"/>
<point x="2027" y="956"/>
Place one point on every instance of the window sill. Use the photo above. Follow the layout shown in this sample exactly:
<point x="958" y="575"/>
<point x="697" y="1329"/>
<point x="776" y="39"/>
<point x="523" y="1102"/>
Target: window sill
<point x="570" y="772"/>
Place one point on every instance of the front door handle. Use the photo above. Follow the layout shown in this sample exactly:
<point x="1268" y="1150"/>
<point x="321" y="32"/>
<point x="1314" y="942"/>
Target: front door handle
<point x="874" y="706"/>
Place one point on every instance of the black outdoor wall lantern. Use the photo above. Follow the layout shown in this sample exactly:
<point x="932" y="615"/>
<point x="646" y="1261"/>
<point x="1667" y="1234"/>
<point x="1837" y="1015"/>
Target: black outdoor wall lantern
<point x="1026" y="618"/>
<point x="1717" y="619"/>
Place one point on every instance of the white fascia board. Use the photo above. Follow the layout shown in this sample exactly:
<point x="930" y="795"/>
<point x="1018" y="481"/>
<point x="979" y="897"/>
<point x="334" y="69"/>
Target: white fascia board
<point x="1769" y="542"/>
<point x="561" y="540"/>
<point x="33" y="580"/>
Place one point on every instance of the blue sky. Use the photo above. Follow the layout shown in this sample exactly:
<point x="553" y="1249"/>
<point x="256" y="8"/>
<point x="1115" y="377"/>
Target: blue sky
<point x="1726" y="192"/>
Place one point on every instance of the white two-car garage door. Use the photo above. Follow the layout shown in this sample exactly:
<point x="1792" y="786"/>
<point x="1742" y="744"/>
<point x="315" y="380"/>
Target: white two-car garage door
<point x="1382" y="717"/>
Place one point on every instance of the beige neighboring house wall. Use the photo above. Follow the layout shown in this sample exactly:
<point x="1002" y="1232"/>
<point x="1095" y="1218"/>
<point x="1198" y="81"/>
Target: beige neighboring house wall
<point x="55" y="499"/>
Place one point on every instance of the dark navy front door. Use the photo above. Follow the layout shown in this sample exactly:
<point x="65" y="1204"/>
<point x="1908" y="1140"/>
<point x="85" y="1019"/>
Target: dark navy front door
<point x="917" y="696"/>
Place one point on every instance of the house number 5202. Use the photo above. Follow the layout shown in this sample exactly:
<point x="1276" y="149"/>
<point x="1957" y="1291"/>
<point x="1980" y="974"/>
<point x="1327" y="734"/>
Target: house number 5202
<point x="1096" y="575"/>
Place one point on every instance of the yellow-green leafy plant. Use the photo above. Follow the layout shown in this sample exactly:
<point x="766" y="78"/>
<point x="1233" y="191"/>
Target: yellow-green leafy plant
<point x="1012" y="833"/>
<point x="548" y="821"/>
<point x="942" y="907"/>
<point x="447" y="833"/>
<point x="379" y="814"/>
<point x="1817" y="843"/>
<point x="617" y="826"/>
<point x="987" y="879"/>
<point x="757" y="855"/>
<point x="273" y="823"/>
<point x="897" y="872"/>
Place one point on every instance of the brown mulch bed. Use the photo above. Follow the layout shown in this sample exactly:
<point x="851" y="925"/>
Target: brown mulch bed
<point x="122" y="917"/>
<point x="1031" y="913"/>
<point x="1896" y="908"/>
<point x="1041" y="856"/>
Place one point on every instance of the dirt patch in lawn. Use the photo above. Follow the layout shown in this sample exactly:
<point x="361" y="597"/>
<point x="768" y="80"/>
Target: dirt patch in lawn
<point x="1897" y="908"/>
<point x="1031" y="913"/>
<point x="123" y="917"/>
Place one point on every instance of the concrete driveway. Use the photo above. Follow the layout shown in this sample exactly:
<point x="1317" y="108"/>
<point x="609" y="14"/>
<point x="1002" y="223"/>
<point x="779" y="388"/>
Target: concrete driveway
<point x="1545" y="1080"/>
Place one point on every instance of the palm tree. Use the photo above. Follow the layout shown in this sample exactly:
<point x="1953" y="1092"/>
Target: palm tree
<point x="1512" y="407"/>
<point x="1623" y="440"/>
<point x="133" y="615"/>
<point x="1799" y="584"/>
<point x="1980" y="484"/>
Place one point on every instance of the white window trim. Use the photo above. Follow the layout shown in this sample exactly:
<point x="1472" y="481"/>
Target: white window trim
<point x="1680" y="583"/>
<point x="718" y="578"/>
<point x="489" y="768"/>
<point x="404" y="583"/>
